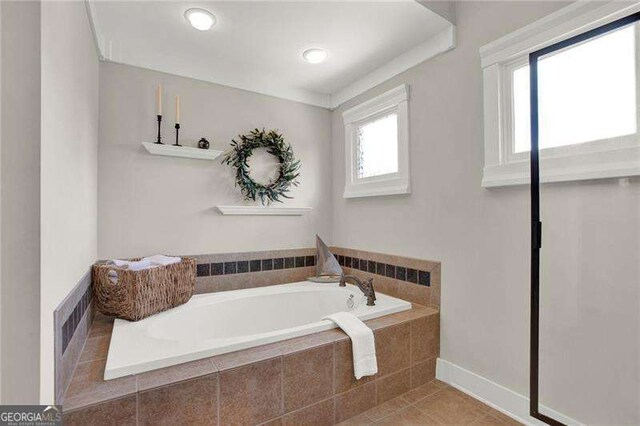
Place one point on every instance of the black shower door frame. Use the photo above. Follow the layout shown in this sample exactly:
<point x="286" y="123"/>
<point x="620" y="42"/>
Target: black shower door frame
<point x="536" y="224"/>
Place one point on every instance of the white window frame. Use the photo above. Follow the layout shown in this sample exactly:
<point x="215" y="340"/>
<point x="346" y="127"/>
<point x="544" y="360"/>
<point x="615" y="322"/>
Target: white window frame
<point x="616" y="157"/>
<point x="394" y="101"/>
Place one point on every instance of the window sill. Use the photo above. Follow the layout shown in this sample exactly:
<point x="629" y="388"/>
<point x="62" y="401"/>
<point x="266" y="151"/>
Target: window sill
<point x="603" y="165"/>
<point x="376" y="189"/>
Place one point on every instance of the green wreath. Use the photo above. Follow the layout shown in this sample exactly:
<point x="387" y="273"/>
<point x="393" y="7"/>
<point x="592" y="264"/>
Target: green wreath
<point x="242" y="150"/>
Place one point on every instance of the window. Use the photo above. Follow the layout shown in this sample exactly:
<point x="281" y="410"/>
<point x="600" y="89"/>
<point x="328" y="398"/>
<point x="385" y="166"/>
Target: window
<point x="588" y="104"/>
<point x="578" y="89"/>
<point x="377" y="146"/>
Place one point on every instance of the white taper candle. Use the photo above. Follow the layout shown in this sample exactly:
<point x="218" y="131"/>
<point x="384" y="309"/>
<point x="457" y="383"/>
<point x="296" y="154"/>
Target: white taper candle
<point x="177" y="109"/>
<point x="159" y="99"/>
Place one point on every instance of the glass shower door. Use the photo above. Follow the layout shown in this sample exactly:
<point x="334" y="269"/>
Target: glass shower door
<point x="585" y="341"/>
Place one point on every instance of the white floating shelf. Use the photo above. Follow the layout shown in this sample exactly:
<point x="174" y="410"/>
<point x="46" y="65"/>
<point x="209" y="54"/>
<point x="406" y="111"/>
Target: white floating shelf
<point x="181" y="151"/>
<point x="262" y="210"/>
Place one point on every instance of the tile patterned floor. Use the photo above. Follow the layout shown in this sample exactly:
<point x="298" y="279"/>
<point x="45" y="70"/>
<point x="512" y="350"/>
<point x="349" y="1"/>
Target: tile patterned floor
<point x="434" y="403"/>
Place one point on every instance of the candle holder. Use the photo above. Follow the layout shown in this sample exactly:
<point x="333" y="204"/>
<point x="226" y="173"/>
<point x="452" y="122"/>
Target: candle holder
<point x="159" y="124"/>
<point x="177" y="133"/>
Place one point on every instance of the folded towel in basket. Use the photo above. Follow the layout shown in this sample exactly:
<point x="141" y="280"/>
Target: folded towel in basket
<point x="136" y="265"/>
<point x="144" y="263"/>
<point x="161" y="259"/>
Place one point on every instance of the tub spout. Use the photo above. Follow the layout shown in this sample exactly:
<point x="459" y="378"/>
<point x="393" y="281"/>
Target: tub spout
<point x="365" y="286"/>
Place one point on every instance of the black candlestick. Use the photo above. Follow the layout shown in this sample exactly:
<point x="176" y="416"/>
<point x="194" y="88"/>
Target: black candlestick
<point x="177" y="132"/>
<point x="159" y="137"/>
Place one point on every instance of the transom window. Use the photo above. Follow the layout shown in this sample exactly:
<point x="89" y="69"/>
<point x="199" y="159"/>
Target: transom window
<point x="588" y="96"/>
<point x="377" y="146"/>
<point x="587" y="93"/>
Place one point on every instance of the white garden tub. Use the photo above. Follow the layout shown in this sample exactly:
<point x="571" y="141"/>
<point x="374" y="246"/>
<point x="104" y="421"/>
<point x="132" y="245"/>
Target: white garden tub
<point x="217" y="323"/>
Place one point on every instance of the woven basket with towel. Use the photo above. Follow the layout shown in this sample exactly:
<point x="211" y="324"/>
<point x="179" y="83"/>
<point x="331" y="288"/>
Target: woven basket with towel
<point x="137" y="288"/>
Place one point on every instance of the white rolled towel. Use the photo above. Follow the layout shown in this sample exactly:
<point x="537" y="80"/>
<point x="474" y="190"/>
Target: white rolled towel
<point x="362" y="342"/>
<point x="160" y="259"/>
<point x="136" y="265"/>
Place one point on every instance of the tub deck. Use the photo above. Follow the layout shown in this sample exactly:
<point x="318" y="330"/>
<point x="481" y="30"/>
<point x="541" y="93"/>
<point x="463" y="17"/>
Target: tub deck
<point x="309" y="375"/>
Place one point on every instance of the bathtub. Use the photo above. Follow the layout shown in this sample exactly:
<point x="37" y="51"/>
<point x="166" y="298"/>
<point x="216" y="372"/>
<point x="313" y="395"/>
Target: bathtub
<point x="217" y="323"/>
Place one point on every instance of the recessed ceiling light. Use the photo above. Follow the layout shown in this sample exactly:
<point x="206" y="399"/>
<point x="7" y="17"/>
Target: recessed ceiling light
<point x="200" y="19"/>
<point x="315" y="55"/>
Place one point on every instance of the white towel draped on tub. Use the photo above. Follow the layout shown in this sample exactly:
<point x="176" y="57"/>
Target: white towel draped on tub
<point x="362" y="341"/>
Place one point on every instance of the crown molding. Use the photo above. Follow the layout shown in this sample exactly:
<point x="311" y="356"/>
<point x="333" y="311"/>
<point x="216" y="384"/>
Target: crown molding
<point x="576" y="18"/>
<point x="435" y="45"/>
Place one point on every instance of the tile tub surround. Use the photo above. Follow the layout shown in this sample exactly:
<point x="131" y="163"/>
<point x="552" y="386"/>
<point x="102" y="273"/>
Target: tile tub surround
<point x="414" y="280"/>
<point x="236" y="271"/>
<point x="293" y="381"/>
<point x="71" y="322"/>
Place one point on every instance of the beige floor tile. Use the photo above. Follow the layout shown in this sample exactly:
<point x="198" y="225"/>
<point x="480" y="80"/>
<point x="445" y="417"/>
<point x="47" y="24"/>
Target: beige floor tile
<point x="480" y="406"/>
<point x="498" y="418"/>
<point x="487" y="420"/>
<point x="387" y="408"/>
<point x="359" y="420"/>
<point x="408" y="416"/>
<point x="424" y="391"/>
<point x="449" y="407"/>
<point x="320" y="414"/>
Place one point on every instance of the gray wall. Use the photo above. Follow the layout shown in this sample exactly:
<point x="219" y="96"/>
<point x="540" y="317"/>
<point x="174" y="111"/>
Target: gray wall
<point x="20" y="212"/>
<point x="69" y="164"/>
<point x="590" y="323"/>
<point x="149" y="204"/>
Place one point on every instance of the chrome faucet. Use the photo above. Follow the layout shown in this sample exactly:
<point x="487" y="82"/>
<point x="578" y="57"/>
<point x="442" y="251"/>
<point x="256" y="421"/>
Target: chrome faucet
<point x="365" y="286"/>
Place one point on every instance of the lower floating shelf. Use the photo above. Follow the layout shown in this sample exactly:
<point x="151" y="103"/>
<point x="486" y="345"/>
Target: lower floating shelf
<point x="262" y="210"/>
<point x="181" y="151"/>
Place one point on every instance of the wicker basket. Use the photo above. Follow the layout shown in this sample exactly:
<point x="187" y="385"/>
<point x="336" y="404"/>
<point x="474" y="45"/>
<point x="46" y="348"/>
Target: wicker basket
<point x="134" y="295"/>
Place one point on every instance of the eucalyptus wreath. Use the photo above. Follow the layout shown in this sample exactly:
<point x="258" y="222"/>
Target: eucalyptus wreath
<point x="275" y="145"/>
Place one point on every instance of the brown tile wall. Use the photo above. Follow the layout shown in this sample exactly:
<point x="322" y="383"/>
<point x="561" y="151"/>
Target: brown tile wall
<point x="410" y="363"/>
<point x="73" y="318"/>
<point x="414" y="280"/>
<point x="298" y="381"/>
<point x="71" y="322"/>
<point x="235" y="271"/>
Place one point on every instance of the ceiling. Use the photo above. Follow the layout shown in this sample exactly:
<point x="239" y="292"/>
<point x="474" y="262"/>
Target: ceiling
<point x="258" y="45"/>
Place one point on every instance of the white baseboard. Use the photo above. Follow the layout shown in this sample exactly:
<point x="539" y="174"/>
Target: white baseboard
<point x="497" y="396"/>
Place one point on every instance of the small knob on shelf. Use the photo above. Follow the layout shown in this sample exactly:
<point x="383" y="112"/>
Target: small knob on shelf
<point x="203" y="144"/>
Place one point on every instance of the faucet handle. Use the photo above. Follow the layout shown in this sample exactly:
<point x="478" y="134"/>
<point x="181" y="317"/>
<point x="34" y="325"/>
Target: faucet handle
<point x="371" y="290"/>
<point x="343" y="281"/>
